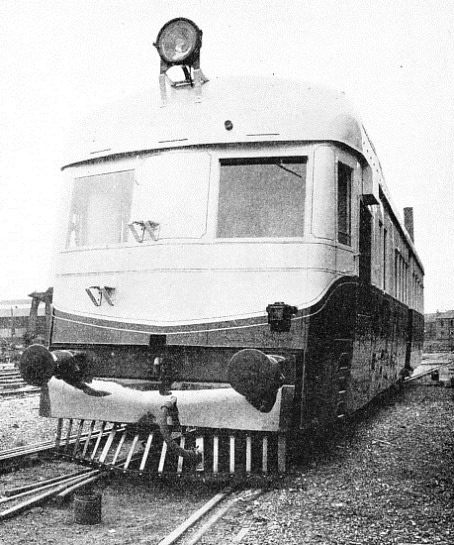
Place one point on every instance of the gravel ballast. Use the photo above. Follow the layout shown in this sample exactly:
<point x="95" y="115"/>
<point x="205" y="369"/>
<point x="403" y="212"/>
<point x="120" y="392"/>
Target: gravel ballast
<point x="388" y="479"/>
<point x="385" y="478"/>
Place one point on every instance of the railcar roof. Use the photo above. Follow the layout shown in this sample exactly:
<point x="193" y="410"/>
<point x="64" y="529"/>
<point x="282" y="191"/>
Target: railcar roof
<point x="260" y="109"/>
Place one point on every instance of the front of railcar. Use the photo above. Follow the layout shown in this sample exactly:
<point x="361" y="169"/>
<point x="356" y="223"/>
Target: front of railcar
<point x="206" y="238"/>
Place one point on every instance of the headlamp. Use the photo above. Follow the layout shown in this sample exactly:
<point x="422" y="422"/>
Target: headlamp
<point x="179" y="42"/>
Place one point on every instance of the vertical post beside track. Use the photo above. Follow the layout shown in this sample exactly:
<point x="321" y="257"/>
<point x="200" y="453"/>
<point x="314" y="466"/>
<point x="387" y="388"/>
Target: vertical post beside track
<point x="58" y="433"/>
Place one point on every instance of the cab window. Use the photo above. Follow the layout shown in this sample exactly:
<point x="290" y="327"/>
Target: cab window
<point x="100" y="209"/>
<point x="262" y="197"/>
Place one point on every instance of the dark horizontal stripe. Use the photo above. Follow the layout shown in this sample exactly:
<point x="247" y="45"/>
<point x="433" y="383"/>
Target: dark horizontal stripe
<point x="103" y="323"/>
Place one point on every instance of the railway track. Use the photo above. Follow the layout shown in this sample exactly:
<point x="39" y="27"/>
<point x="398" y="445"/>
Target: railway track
<point x="152" y="511"/>
<point x="15" y="456"/>
<point x="428" y="369"/>
<point x="18" y="500"/>
<point x="213" y="522"/>
<point x="93" y="447"/>
<point x="12" y="383"/>
<point x="204" y="523"/>
<point x="19" y="392"/>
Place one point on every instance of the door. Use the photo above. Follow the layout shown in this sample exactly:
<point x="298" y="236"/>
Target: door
<point x="365" y="256"/>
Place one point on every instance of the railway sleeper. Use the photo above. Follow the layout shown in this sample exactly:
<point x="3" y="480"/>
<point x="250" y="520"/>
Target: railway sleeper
<point x="132" y="448"/>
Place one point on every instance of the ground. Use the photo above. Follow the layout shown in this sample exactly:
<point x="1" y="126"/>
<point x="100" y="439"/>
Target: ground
<point x="385" y="478"/>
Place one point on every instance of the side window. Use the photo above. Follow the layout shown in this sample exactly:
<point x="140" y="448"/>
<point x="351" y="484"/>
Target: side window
<point x="344" y="206"/>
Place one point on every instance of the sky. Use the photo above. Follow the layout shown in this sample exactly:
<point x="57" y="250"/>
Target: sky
<point x="61" y="60"/>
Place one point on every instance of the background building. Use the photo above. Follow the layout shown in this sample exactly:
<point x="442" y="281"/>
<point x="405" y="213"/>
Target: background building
<point x="439" y="331"/>
<point x="24" y="321"/>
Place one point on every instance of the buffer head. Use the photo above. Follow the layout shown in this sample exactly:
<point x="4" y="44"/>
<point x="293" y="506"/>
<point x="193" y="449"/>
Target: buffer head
<point x="37" y="365"/>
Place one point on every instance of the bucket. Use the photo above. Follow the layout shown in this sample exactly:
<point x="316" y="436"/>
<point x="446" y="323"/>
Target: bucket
<point x="87" y="508"/>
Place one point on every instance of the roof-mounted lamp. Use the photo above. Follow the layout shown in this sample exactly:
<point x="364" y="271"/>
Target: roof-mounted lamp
<point x="178" y="43"/>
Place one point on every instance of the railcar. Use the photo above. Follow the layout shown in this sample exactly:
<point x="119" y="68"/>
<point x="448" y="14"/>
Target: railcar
<point x="229" y="255"/>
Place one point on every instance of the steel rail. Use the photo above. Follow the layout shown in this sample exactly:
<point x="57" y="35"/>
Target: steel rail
<point x="211" y="522"/>
<point x="44" y="494"/>
<point x="250" y="494"/>
<point x="189" y="522"/>
<point x="64" y="494"/>
<point x="34" y="486"/>
<point x="18" y="392"/>
<point x="26" y="447"/>
<point x="59" y="487"/>
<point x="229" y="498"/>
<point x="436" y="367"/>
<point x="46" y="446"/>
<point x="66" y="480"/>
